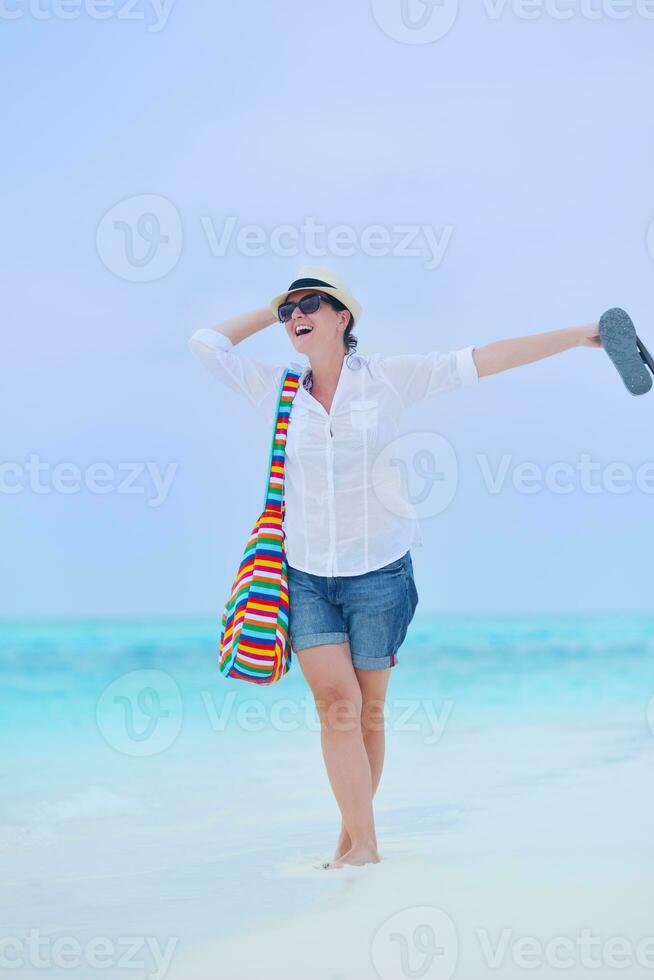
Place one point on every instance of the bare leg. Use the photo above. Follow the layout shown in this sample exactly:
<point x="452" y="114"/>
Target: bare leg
<point x="373" y="685"/>
<point x="330" y="674"/>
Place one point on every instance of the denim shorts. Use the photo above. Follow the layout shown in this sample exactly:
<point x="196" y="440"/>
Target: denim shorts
<point x="372" y="611"/>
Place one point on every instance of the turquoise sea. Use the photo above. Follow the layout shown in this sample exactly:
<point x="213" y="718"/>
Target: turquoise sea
<point x="144" y="793"/>
<point x="52" y="673"/>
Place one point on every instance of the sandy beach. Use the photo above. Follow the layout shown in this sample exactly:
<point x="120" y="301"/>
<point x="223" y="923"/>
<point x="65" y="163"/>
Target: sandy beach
<point x="548" y="871"/>
<point x="513" y="815"/>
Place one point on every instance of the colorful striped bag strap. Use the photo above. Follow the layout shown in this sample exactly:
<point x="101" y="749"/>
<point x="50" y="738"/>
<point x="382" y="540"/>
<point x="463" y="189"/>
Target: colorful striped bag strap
<point x="255" y="643"/>
<point x="274" y="496"/>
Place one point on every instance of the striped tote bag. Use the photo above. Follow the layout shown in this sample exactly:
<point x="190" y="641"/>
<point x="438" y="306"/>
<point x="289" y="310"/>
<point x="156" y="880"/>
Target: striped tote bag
<point x="255" y="644"/>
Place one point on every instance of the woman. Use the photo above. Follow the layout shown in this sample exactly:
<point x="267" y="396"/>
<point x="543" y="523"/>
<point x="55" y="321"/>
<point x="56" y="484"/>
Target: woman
<point x="348" y="528"/>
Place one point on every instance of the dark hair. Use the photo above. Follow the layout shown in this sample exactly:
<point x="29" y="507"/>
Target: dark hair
<point x="349" y="340"/>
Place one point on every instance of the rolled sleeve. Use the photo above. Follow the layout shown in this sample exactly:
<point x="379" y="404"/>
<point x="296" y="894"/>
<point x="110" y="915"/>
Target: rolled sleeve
<point x="257" y="382"/>
<point x="210" y="338"/>
<point x="466" y="367"/>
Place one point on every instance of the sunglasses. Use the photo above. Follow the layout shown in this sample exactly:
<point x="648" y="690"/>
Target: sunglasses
<point x="308" y="304"/>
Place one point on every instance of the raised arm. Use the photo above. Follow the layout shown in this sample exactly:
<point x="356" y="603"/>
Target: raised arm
<point x="256" y="381"/>
<point x="237" y="328"/>
<point x="504" y="354"/>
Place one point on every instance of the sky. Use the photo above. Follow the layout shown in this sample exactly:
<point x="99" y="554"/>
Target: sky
<point x="475" y="173"/>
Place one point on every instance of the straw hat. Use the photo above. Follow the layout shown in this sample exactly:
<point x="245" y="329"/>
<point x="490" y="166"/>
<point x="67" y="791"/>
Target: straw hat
<point x="325" y="280"/>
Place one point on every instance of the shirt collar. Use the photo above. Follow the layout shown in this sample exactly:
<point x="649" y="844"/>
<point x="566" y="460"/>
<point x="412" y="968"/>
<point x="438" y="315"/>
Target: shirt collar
<point x="351" y="363"/>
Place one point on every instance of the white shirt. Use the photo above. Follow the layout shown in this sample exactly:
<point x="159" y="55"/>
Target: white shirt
<point x="346" y="508"/>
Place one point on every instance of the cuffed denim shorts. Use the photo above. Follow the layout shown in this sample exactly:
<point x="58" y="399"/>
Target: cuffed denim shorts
<point x="372" y="611"/>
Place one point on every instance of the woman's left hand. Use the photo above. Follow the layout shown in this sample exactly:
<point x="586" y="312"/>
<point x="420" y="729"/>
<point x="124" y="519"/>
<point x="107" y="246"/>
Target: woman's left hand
<point x="589" y="335"/>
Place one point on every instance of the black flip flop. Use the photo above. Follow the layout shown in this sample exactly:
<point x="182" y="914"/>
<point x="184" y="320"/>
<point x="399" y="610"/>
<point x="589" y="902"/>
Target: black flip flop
<point x="645" y="354"/>
<point x="628" y="353"/>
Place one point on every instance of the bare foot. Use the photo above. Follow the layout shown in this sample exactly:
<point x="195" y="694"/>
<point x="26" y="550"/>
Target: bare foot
<point x="343" y="846"/>
<point x="357" y="855"/>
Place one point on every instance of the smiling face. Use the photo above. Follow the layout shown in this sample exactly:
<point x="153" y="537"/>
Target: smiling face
<point x="325" y="327"/>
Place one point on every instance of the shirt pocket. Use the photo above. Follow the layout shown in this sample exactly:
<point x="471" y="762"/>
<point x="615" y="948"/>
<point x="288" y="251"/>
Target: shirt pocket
<point x="364" y="418"/>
